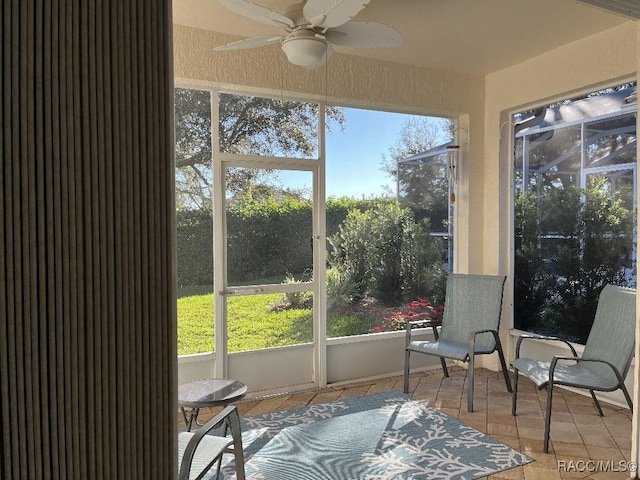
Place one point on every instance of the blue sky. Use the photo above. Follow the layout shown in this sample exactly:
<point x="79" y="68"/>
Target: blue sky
<point x="354" y="156"/>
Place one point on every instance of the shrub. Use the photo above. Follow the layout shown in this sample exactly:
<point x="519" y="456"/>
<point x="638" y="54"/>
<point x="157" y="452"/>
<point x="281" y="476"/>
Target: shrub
<point x="194" y="248"/>
<point x="341" y="287"/>
<point x="295" y="299"/>
<point x="387" y="254"/>
<point x="259" y="231"/>
<point x="570" y="242"/>
<point x="419" y="309"/>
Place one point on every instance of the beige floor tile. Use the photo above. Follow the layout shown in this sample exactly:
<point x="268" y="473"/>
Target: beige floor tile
<point x="536" y="473"/>
<point x="578" y="434"/>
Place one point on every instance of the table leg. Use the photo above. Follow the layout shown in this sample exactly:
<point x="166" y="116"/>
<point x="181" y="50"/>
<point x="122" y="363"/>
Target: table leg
<point x="190" y="417"/>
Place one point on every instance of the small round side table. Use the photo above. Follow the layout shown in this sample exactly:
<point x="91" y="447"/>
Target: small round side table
<point x="210" y="392"/>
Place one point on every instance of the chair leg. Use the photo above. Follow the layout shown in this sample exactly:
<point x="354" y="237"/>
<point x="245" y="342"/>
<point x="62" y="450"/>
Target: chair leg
<point x="514" y="394"/>
<point x="626" y="396"/>
<point x="407" y="353"/>
<point x="236" y="432"/>
<point x="444" y="367"/>
<point x="505" y="372"/>
<point x="239" y="460"/>
<point x="442" y="361"/>
<point x="470" y="382"/>
<point x="596" y="403"/>
<point x="547" y="422"/>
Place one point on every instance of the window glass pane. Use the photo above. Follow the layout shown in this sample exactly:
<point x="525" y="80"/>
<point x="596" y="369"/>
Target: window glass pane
<point x="268" y="127"/>
<point x="574" y="212"/>
<point x="194" y="221"/>
<point x="387" y="235"/>
<point x="611" y="141"/>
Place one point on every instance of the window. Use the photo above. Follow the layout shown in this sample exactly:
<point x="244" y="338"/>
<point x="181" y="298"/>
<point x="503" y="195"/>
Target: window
<point x="194" y="221"/>
<point x="388" y="218"/>
<point x="575" y="177"/>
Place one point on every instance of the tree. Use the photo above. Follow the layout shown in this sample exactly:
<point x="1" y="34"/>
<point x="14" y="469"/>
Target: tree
<point x="570" y="243"/>
<point x="387" y="254"/>
<point x="423" y="188"/>
<point x="247" y="125"/>
<point x="193" y="149"/>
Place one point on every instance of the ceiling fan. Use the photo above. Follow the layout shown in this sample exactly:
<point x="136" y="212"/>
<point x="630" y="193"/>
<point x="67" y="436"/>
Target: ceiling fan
<point x="313" y="27"/>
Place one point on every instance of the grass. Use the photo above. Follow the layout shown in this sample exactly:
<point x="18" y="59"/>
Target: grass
<point x="253" y="323"/>
<point x="195" y="320"/>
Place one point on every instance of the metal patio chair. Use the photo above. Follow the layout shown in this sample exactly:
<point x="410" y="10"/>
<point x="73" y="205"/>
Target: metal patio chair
<point x="198" y="451"/>
<point x="605" y="360"/>
<point x="472" y="310"/>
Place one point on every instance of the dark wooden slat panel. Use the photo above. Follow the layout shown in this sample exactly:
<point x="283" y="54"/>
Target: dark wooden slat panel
<point x="151" y="207"/>
<point x="19" y="52"/>
<point x="91" y="314"/>
<point x="85" y="273"/>
<point x="142" y="130"/>
<point x="136" y="192"/>
<point x="47" y="243"/>
<point x="76" y="175"/>
<point x="7" y="445"/>
<point x="107" y="229"/>
<point x="127" y="247"/>
<point x="72" y="462"/>
<point x="54" y="258"/>
<point x="37" y="240"/>
<point x="105" y="444"/>
<point x="118" y="107"/>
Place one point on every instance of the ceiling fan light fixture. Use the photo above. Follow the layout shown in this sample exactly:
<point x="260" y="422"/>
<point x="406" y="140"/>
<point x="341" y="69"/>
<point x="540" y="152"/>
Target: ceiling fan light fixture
<point x="313" y="28"/>
<point x="304" y="51"/>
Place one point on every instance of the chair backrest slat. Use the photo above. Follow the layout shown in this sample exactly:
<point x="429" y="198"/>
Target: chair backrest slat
<point x="612" y="336"/>
<point x="472" y="303"/>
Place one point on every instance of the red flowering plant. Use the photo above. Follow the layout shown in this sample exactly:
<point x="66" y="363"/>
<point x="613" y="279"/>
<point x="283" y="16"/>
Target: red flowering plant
<point x="417" y="310"/>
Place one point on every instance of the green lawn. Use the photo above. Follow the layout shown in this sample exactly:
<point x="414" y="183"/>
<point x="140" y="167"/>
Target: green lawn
<point x="195" y="320"/>
<point x="253" y="322"/>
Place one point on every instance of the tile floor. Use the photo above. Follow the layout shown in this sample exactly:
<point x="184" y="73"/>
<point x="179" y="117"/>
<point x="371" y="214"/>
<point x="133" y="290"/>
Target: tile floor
<point x="579" y="437"/>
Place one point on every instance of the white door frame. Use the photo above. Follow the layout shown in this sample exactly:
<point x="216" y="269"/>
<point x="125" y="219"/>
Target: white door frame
<point x="221" y="161"/>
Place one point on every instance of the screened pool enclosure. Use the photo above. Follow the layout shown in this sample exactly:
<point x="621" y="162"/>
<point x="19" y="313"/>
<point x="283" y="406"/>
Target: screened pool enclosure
<point x="575" y="198"/>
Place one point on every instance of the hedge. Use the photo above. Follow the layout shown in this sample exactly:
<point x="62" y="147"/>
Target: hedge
<point x="266" y="239"/>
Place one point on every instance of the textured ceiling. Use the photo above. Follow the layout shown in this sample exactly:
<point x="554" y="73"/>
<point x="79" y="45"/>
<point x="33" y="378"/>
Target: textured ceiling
<point x="469" y="36"/>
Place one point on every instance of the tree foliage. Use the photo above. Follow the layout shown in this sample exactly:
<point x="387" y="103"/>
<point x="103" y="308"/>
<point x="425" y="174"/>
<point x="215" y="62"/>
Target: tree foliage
<point x="387" y="254"/>
<point x="570" y="243"/>
<point x="248" y="125"/>
<point x="423" y="188"/>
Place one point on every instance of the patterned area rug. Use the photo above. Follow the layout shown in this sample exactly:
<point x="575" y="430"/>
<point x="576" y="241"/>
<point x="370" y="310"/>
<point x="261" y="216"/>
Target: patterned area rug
<point x="383" y="436"/>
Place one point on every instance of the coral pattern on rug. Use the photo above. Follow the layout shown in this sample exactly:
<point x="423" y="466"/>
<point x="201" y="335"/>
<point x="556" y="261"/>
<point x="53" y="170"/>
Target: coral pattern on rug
<point x="384" y="436"/>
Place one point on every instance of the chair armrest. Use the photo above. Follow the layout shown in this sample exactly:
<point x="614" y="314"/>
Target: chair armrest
<point x="472" y="338"/>
<point x="555" y="359"/>
<point x="229" y="413"/>
<point x="546" y="338"/>
<point x="411" y="324"/>
<point x="488" y="330"/>
<point x="423" y="323"/>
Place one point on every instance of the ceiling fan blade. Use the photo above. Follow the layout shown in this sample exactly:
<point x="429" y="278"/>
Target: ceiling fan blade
<point x="324" y="59"/>
<point x="250" y="43"/>
<point x="364" y="34"/>
<point x="331" y="13"/>
<point x="257" y="12"/>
